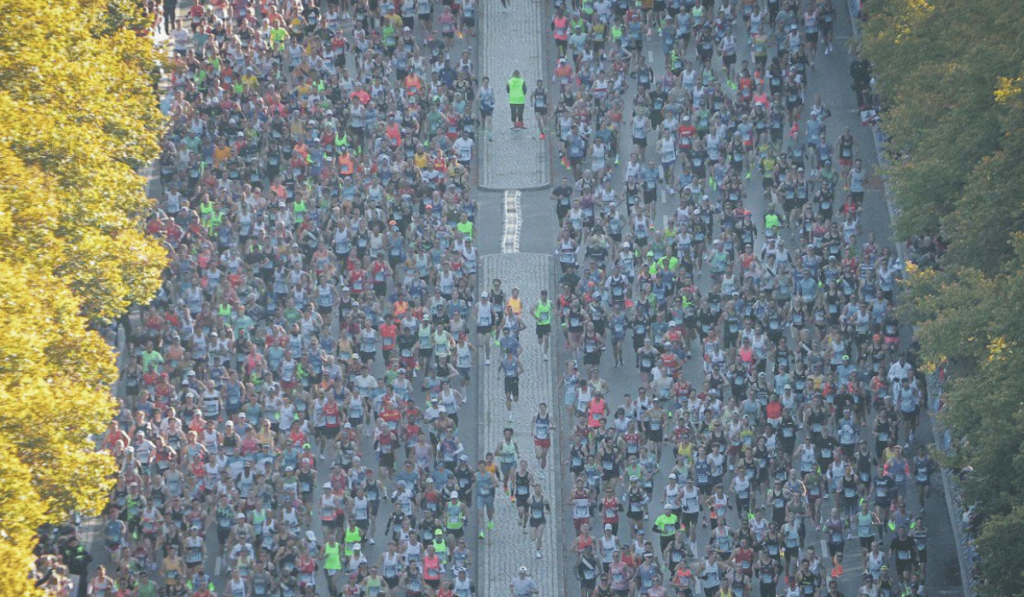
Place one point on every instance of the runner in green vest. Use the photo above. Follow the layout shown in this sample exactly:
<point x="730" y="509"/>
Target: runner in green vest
<point x="516" y="88"/>
<point x="465" y="227"/>
<point x="666" y="525"/>
<point x="299" y="208"/>
<point x="440" y="546"/>
<point x="455" y="516"/>
<point x="771" y="220"/>
<point x="542" y="315"/>
<point x="206" y="209"/>
<point x="352" y="536"/>
<point x="331" y="555"/>
<point x="216" y="218"/>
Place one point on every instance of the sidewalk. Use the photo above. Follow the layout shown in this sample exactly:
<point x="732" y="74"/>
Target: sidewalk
<point x="512" y="39"/>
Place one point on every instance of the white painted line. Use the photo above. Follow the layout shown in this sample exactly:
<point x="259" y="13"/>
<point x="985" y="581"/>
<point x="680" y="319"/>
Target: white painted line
<point x="513" y="222"/>
<point x="664" y="222"/>
<point x="662" y="194"/>
<point x="650" y="57"/>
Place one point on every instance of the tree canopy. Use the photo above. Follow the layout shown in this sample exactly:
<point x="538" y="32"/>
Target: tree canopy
<point x="952" y="75"/>
<point x="80" y="117"/>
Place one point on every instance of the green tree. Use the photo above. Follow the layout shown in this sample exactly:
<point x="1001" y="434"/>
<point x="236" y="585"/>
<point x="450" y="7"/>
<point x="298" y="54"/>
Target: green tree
<point x="951" y="76"/>
<point x="939" y="65"/>
<point x="973" y="321"/>
<point x="1000" y="549"/>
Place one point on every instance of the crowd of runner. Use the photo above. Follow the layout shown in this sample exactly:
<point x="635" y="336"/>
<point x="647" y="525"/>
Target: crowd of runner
<point x="801" y="417"/>
<point x="296" y="385"/>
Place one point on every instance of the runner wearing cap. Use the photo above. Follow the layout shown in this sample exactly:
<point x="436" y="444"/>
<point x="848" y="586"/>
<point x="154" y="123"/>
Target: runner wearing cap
<point x="666" y="525"/>
<point x="522" y="585"/>
<point x="456" y="513"/>
<point x="462" y="585"/>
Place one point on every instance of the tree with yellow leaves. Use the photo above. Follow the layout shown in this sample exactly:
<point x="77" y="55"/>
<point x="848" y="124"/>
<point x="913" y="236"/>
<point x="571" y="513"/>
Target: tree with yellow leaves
<point x="80" y="118"/>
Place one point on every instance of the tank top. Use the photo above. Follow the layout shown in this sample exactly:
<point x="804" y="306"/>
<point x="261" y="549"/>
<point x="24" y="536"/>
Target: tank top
<point x="567" y="252"/>
<point x="453" y="515"/>
<point x="522" y="484"/>
<point x="441" y="343"/>
<point x="671" y="493"/>
<point x="484" y="317"/>
<point x="857" y="181"/>
<point x="537" y="509"/>
<point x="540" y="99"/>
<point x="462" y="588"/>
<point x="390" y="565"/>
<point x="608" y="547"/>
<point x="332" y="557"/>
<point x="541" y="427"/>
<point x="463" y="356"/>
<point x="711" y="576"/>
<point x="507" y="454"/>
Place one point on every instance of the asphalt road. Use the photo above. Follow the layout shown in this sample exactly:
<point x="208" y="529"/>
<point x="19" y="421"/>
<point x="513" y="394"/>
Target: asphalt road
<point x="830" y="78"/>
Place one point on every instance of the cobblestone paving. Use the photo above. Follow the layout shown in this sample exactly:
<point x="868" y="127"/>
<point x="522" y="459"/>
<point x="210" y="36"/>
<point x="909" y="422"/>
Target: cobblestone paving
<point x="512" y="39"/>
<point x="505" y="548"/>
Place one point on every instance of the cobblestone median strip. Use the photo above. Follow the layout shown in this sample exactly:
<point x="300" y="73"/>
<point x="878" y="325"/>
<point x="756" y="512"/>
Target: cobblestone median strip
<point x="511" y="39"/>
<point x="506" y="547"/>
<point x="513" y="222"/>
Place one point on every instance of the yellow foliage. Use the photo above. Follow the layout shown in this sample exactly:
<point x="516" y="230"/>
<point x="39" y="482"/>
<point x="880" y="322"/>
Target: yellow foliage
<point x="1008" y="89"/>
<point x="18" y="500"/>
<point x="80" y="117"/>
<point x="996" y="348"/>
<point x="54" y="391"/>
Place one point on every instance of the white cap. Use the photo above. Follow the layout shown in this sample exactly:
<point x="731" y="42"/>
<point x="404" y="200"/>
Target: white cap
<point x="454" y="495"/>
<point x="522" y="570"/>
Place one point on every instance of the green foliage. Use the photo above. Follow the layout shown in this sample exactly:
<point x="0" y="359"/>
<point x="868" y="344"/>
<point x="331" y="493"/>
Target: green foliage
<point x="1000" y="546"/>
<point x="951" y="74"/>
<point x="974" y="321"/>
<point x="939" y="64"/>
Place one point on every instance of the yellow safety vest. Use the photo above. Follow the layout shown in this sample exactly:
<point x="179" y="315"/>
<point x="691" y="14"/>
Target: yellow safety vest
<point x="516" y="91"/>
